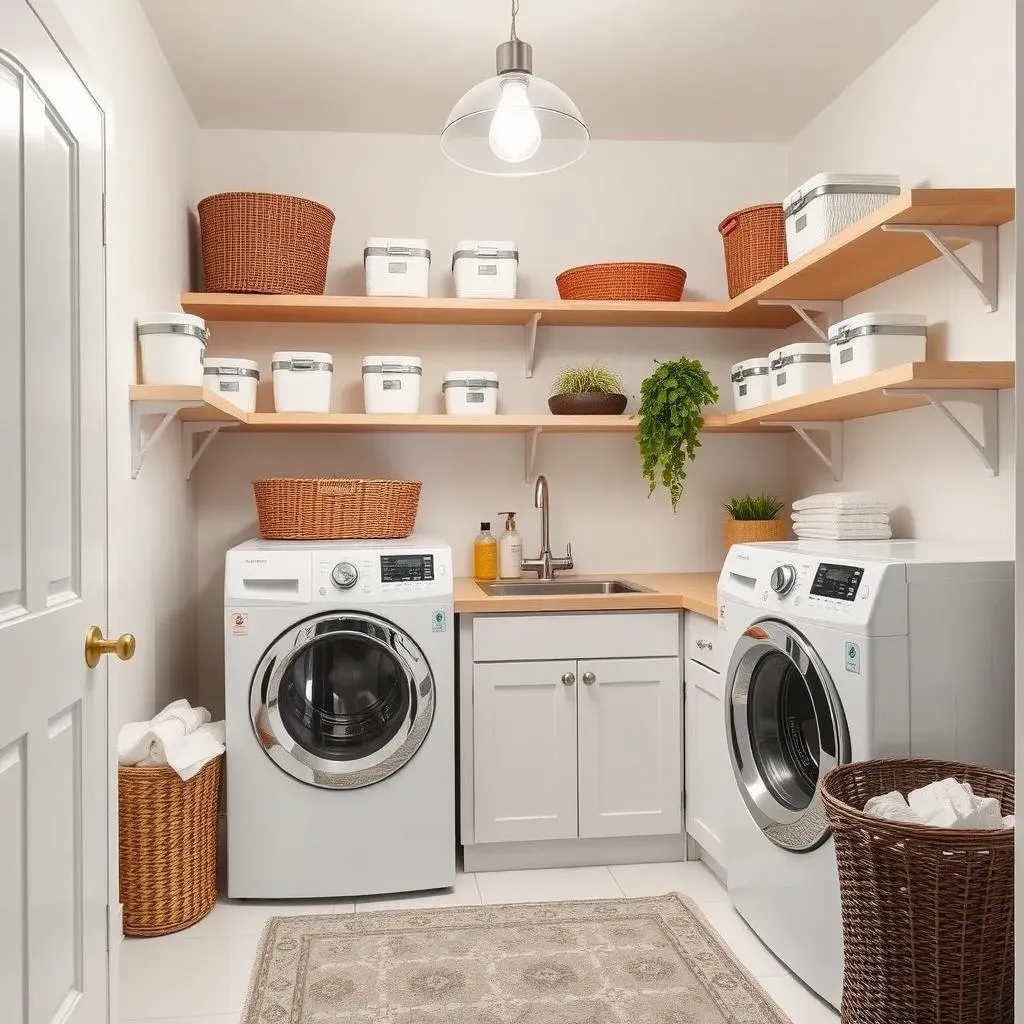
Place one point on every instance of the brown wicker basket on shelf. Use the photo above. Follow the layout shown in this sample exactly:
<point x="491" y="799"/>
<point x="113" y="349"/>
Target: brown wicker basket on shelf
<point x="927" y="912"/>
<point x="753" y="531"/>
<point x="623" y="282"/>
<point x="167" y="836"/>
<point x="264" y="243"/>
<point x="336" y="509"/>
<point x="755" y="245"/>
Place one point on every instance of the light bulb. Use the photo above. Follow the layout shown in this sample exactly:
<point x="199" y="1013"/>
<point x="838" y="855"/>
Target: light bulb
<point x="515" y="131"/>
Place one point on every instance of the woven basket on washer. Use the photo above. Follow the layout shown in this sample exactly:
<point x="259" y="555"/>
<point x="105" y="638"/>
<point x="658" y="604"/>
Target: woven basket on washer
<point x="754" y="531"/>
<point x="336" y="509"/>
<point x="261" y="242"/>
<point x="927" y="912"/>
<point x="755" y="245"/>
<point x="167" y="836"/>
<point x="623" y="282"/>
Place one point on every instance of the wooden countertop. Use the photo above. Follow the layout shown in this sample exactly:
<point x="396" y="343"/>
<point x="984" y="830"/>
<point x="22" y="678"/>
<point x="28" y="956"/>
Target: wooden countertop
<point x="672" y="591"/>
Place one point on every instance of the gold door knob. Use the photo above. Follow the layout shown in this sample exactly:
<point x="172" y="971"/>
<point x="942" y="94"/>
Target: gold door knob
<point x="96" y="645"/>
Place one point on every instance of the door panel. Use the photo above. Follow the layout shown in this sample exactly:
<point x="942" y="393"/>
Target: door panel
<point x="708" y="771"/>
<point x="629" y="736"/>
<point x="524" y="754"/>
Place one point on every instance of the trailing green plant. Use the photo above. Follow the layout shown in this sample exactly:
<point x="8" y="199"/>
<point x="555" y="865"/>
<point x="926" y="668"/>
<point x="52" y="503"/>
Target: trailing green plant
<point x="672" y="400"/>
<point x="757" y="507"/>
<point x="587" y="377"/>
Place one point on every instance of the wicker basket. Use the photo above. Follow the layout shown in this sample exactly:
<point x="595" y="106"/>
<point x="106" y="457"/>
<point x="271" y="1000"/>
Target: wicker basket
<point x="755" y="245"/>
<point x="753" y="531"/>
<point x="264" y="243"/>
<point x="927" y="912"/>
<point x="167" y="835"/>
<point x="332" y="509"/>
<point x="623" y="282"/>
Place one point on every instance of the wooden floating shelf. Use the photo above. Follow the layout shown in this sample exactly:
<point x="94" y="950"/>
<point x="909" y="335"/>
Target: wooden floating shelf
<point x="856" y="259"/>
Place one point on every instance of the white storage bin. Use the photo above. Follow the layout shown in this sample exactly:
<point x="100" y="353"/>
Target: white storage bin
<point x="392" y="383"/>
<point x="829" y="203"/>
<point x="750" y="383"/>
<point x="397" y="266"/>
<point x="470" y="392"/>
<point x="302" y="381"/>
<point x="485" y="270"/>
<point x="172" y="346"/>
<point x="800" y="367"/>
<point x="875" y="341"/>
<point x="234" y="380"/>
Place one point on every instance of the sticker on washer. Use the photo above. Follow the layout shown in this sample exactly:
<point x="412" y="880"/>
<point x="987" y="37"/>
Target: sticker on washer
<point x="721" y="616"/>
<point x="240" y="624"/>
<point x="439" y="621"/>
<point x="852" y="658"/>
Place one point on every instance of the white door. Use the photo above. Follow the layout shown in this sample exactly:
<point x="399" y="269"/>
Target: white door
<point x="708" y="772"/>
<point x="53" y="732"/>
<point x="629" y="736"/>
<point x="524" y="751"/>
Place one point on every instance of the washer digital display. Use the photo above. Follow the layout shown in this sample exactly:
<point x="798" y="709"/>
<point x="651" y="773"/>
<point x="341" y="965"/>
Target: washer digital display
<point x="837" y="581"/>
<point x="406" y="568"/>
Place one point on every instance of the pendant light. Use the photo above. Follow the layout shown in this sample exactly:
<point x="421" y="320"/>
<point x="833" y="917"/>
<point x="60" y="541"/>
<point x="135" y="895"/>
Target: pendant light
<point x="515" y="124"/>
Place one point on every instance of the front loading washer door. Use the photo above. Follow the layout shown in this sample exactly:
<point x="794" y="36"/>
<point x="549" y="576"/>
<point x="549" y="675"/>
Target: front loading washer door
<point x="786" y="732"/>
<point x="342" y="700"/>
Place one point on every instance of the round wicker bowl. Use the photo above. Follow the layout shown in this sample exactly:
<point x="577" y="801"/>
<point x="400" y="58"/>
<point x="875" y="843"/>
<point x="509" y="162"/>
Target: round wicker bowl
<point x="587" y="403"/>
<point x="754" y="531"/>
<point x="623" y="282"/>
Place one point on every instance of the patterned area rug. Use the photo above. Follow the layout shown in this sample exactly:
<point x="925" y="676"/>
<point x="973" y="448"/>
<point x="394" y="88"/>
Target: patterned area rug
<point x="641" y="961"/>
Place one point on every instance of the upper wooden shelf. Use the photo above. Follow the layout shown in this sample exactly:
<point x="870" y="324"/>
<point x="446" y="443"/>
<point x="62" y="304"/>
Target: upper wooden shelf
<point x="854" y="260"/>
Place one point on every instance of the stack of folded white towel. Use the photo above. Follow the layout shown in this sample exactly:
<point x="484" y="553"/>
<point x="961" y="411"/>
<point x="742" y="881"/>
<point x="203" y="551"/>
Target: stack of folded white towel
<point x="180" y="736"/>
<point x="838" y="515"/>
<point x="945" y="804"/>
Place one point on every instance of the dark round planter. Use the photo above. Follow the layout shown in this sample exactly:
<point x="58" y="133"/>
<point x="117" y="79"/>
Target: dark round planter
<point x="587" y="403"/>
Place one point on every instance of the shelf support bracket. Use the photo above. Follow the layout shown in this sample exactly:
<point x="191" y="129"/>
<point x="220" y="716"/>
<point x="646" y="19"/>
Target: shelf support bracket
<point x="987" y="286"/>
<point x="530" y="452"/>
<point x="831" y="310"/>
<point x="530" y="344"/>
<point x="168" y="411"/>
<point x="190" y="453"/>
<point x="833" y="458"/>
<point x="986" y="402"/>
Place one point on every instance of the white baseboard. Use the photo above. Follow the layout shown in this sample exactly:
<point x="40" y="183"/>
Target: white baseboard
<point x="573" y="853"/>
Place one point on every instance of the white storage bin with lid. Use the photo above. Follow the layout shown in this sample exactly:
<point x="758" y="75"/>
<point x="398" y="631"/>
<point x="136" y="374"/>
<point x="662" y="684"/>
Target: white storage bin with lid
<point x="235" y="380"/>
<point x="302" y="381"/>
<point x="803" y="366"/>
<point x="750" y="384"/>
<point x="397" y="266"/>
<point x="875" y="341"/>
<point x="470" y="392"/>
<point x="485" y="270"/>
<point x="392" y="383"/>
<point x="829" y="203"/>
<point x="172" y="346"/>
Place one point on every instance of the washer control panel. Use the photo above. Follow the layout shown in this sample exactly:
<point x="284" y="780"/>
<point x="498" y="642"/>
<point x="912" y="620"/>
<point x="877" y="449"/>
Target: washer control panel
<point x="838" y="582"/>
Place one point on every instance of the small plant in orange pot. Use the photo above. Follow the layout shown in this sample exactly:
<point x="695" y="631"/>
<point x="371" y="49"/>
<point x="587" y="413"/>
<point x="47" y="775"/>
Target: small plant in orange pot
<point x="753" y="518"/>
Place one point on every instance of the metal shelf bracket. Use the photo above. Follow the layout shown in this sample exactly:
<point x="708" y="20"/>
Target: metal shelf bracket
<point x="987" y="286"/>
<point x="833" y="458"/>
<point x="986" y="402"/>
<point x="530" y="452"/>
<point x="830" y="310"/>
<point x="192" y="454"/>
<point x="168" y="411"/>
<point x="530" y="343"/>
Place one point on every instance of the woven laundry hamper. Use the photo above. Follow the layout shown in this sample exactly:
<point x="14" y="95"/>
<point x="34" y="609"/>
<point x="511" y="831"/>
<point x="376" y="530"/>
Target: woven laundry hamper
<point x="167" y="835"/>
<point x="927" y="912"/>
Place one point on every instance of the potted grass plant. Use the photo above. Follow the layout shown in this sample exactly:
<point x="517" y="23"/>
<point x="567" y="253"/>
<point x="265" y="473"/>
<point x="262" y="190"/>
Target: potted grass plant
<point x="589" y="388"/>
<point x="752" y="518"/>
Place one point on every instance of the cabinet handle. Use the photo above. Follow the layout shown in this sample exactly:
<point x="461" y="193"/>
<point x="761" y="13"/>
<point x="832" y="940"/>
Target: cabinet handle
<point x="589" y="679"/>
<point x="568" y="678"/>
<point x="705" y="645"/>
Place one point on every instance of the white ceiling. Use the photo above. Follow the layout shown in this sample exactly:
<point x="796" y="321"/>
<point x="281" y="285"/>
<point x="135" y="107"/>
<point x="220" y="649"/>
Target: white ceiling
<point x="725" y="70"/>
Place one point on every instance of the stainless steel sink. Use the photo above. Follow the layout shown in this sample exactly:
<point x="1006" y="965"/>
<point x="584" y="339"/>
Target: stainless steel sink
<point x="519" y="588"/>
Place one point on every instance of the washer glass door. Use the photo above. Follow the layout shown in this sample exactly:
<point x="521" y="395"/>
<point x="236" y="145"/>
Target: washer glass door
<point x="786" y="729"/>
<point x="342" y="700"/>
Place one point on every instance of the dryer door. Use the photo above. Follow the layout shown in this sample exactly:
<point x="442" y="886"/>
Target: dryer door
<point x="786" y="731"/>
<point x="342" y="700"/>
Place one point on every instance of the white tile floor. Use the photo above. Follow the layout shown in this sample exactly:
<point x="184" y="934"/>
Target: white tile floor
<point x="199" y="976"/>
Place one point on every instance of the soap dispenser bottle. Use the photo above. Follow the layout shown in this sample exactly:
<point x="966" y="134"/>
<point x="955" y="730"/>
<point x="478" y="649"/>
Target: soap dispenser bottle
<point x="510" y="550"/>
<point x="485" y="554"/>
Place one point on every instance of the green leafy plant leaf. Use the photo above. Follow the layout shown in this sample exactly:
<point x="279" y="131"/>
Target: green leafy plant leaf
<point x="757" y="507"/>
<point x="587" y="377"/>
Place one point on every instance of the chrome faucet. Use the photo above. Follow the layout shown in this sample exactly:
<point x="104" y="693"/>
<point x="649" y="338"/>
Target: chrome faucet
<point x="544" y="565"/>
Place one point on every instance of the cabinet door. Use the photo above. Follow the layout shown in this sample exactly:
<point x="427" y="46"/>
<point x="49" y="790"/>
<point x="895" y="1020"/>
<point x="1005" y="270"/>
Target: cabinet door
<point x="629" y="736"/>
<point x="708" y="771"/>
<point x="524" y="751"/>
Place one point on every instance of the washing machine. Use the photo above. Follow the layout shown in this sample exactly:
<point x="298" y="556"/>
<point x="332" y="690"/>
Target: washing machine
<point x="340" y="714"/>
<point x="841" y="652"/>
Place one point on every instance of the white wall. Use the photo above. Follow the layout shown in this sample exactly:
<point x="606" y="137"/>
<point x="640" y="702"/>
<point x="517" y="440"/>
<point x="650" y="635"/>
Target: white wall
<point x="151" y="137"/>
<point x="937" y="109"/>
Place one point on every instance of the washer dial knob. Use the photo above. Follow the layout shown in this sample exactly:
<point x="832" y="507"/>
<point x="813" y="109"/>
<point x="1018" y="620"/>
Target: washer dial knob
<point x="344" y="575"/>
<point x="783" y="578"/>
